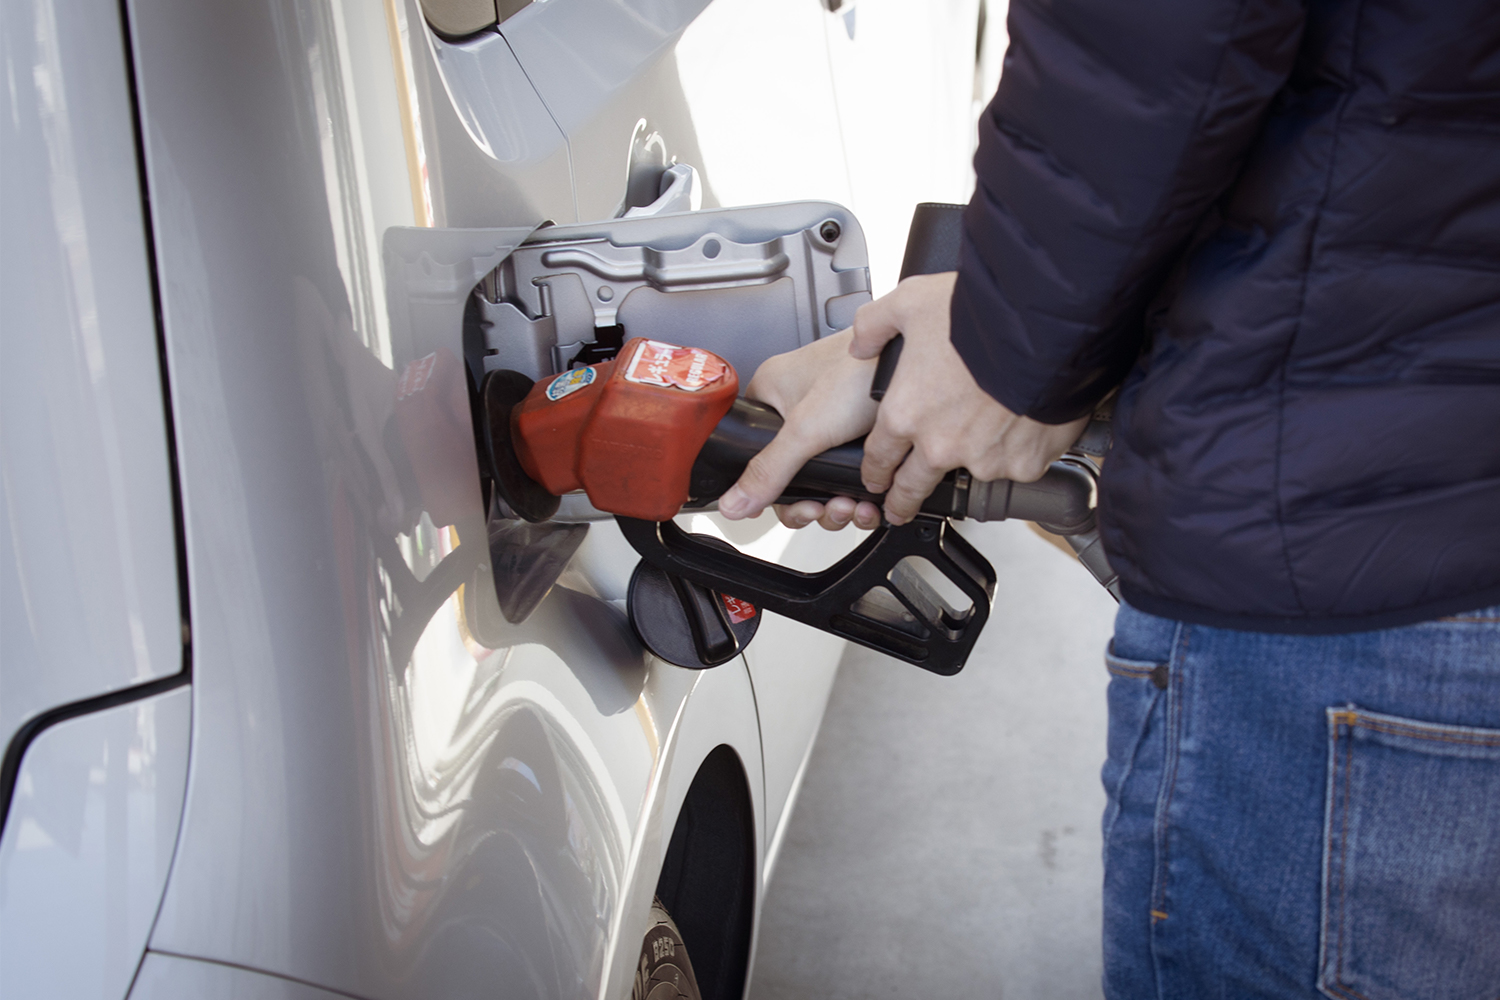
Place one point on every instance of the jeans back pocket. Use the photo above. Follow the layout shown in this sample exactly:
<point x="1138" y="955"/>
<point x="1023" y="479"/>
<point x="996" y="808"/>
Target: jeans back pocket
<point x="1411" y="868"/>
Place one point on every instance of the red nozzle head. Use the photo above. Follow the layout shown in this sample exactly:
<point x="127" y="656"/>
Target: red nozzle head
<point x="625" y="431"/>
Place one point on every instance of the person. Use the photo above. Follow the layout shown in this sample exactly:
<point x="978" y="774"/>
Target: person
<point x="1274" y="226"/>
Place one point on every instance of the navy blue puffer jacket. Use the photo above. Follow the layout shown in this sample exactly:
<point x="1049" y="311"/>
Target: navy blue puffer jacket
<point x="1277" y="223"/>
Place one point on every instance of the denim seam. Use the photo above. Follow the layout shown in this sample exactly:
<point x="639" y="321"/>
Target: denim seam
<point x="1334" y="913"/>
<point x="1174" y="731"/>
<point x="1164" y="797"/>
<point x="1138" y="673"/>
<point x="1172" y="754"/>
<point x="1433" y="737"/>
<point x="1436" y="733"/>
<point x="1135" y="749"/>
<point x="1329" y="814"/>
<point x="1348" y="740"/>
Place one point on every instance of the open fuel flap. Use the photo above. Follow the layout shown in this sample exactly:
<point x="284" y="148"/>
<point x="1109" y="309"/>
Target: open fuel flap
<point x="742" y="283"/>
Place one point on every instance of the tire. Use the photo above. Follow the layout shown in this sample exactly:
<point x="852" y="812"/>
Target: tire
<point x="664" y="971"/>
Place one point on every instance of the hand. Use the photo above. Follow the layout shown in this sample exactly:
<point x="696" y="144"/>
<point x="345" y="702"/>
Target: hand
<point x="935" y="417"/>
<point x="823" y="393"/>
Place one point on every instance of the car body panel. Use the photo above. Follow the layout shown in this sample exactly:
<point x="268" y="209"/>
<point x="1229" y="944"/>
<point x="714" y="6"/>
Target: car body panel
<point x="88" y="557"/>
<point x="606" y="69"/>
<point x="792" y="666"/>
<point x="87" y="847"/>
<point x="351" y="733"/>
<point x="494" y="154"/>
<point x="395" y="791"/>
<point x="582" y="54"/>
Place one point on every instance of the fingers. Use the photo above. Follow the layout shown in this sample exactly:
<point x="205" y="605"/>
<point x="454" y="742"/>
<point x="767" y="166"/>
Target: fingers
<point x="834" y="409"/>
<point x="884" y="451"/>
<point x="918" y="304"/>
<point x="913" y="483"/>
<point x="835" y="515"/>
<point x="842" y="511"/>
<point x="799" y="514"/>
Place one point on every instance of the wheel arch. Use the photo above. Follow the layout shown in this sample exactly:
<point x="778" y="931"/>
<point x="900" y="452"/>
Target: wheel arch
<point x="709" y="880"/>
<point x="706" y="827"/>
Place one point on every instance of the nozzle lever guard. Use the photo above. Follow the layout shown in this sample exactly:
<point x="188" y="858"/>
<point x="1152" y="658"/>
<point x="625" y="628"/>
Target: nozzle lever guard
<point x="878" y="596"/>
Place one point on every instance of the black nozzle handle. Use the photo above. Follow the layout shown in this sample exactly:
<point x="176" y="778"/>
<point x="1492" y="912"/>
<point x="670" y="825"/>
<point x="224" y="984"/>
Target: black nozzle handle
<point x="885" y="368"/>
<point x="1062" y="501"/>
<point x="932" y="245"/>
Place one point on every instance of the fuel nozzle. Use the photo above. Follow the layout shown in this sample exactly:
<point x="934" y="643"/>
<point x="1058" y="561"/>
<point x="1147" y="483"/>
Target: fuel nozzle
<point x="625" y="431"/>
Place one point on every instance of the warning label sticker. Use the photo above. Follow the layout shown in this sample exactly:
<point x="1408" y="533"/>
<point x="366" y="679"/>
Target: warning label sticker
<point x="739" y="611"/>
<point x="668" y="365"/>
<point x="570" y="382"/>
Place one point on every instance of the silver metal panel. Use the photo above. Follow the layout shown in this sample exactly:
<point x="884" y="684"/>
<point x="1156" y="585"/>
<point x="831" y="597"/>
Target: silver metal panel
<point x="746" y="283"/>
<point x="171" y="977"/>
<point x="86" y="850"/>
<point x="88" y="574"/>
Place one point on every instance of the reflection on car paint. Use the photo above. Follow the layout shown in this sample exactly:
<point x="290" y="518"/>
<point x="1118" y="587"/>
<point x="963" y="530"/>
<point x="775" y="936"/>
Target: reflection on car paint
<point x="499" y="785"/>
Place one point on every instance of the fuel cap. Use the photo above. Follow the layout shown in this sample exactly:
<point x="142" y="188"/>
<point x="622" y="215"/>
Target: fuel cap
<point x="686" y="624"/>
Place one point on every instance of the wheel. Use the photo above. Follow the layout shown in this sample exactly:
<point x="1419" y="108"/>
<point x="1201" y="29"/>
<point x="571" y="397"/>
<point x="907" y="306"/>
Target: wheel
<point x="664" y="972"/>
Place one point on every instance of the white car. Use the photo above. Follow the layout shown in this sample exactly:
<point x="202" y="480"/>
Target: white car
<point x="291" y="709"/>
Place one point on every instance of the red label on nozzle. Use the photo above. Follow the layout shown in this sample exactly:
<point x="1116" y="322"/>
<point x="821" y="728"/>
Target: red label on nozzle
<point x="692" y="369"/>
<point x="667" y="365"/>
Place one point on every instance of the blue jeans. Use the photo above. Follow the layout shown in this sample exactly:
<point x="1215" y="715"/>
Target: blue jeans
<point x="1303" y="816"/>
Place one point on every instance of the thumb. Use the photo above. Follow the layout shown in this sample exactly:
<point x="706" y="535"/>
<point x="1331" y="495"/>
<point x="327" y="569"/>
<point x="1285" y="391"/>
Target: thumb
<point x="766" y="477"/>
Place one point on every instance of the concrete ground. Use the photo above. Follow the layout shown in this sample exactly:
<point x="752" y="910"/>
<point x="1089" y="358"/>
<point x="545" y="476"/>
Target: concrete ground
<point x="946" y="841"/>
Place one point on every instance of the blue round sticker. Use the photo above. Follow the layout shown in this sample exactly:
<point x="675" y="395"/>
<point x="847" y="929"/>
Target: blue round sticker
<point x="569" y="382"/>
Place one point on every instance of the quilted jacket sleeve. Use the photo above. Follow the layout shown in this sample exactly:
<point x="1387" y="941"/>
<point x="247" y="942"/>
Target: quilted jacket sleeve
<point x="1115" y="127"/>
